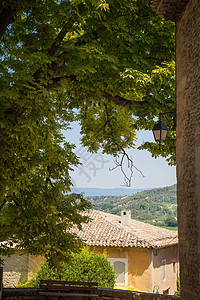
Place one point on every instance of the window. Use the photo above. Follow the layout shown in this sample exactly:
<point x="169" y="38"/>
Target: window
<point x="120" y="266"/>
<point x="164" y="269"/>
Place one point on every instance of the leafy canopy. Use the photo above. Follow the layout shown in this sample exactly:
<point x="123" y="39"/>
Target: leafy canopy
<point x="109" y="65"/>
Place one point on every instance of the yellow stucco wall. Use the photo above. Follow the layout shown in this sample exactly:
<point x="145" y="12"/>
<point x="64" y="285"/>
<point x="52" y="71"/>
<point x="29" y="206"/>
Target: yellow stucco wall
<point x="34" y="265"/>
<point x="139" y="265"/>
<point x="144" y="268"/>
<point x="139" y="270"/>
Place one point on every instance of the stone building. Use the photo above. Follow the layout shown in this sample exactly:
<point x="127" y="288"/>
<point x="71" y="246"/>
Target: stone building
<point x="186" y="14"/>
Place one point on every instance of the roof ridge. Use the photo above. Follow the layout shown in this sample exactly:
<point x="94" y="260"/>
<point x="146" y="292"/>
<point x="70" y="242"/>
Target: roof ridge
<point x="139" y="240"/>
<point x="137" y="221"/>
<point x="103" y="229"/>
<point x="135" y="238"/>
<point x="112" y="224"/>
<point x="130" y="233"/>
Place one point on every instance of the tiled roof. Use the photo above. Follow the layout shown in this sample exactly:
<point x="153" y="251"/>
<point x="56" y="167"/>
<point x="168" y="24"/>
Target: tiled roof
<point x="106" y="230"/>
<point x="169" y="9"/>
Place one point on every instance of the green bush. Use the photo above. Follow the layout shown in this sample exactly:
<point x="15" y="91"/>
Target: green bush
<point x="178" y="292"/>
<point x="85" y="266"/>
<point x="25" y="285"/>
<point x="171" y="221"/>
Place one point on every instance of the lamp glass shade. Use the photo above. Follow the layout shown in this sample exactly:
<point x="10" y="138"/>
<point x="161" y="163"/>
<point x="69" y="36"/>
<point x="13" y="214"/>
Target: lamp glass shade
<point x="160" y="132"/>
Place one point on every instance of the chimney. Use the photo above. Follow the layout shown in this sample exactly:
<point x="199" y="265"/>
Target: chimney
<point x="125" y="217"/>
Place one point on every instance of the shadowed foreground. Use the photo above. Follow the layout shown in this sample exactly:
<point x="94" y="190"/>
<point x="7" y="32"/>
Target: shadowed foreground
<point x="108" y="294"/>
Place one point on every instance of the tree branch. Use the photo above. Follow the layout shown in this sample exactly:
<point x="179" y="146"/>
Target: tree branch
<point x="16" y="203"/>
<point x="130" y="163"/>
<point x="56" y="82"/>
<point x="116" y="99"/>
<point x="131" y="167"/>
<point x="56" y="67"/>
<point x="55" y="46"/>
<point x="60" y="37"/>
<point x="48" y="180"/>
<point x="2" y="204"/>
<point x="6" y="18"/>
<point x="122" y="101"/>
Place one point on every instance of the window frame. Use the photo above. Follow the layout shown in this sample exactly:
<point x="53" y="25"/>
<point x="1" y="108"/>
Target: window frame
<point x="112" y="260"/>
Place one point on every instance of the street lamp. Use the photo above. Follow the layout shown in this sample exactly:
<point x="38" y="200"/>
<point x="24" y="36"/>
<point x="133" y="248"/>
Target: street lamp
<point x="160" y="131"/>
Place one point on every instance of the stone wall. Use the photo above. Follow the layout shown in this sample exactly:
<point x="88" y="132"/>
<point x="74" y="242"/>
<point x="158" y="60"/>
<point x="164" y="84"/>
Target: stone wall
<point x="188" y="148"/>
<point x="15" y="269"/>
<point x="105" y="294"/>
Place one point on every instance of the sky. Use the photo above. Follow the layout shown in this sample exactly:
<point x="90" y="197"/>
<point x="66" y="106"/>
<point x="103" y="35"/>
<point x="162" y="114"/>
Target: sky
<point x="95" y="169"/>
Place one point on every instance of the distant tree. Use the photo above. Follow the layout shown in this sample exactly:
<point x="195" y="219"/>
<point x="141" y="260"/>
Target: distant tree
<point x="171" y="221"/>
<point x="145" y="206"/>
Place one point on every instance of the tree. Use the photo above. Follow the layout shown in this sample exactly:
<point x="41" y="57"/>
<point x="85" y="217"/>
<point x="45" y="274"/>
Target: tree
<point x="85" y="266"/>
<point x="109" y="65"/>
<point x="171" y="221"/>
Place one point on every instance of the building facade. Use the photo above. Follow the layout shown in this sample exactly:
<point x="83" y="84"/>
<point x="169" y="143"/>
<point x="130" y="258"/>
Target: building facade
<point x="143" y="256"/>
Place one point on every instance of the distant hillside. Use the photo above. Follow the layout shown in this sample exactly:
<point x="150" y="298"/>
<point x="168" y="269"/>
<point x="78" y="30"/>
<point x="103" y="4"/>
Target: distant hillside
<point x="106" y="192"/>
<point x="156" y="206"/>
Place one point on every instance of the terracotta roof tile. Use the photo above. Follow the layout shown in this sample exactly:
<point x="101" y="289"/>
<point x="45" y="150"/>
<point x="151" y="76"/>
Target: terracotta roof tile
<point x="106" y="230"/>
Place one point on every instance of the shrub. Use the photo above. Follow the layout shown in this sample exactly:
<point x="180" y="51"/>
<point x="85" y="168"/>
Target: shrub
<point x="178" y="292"/>
<point x="171" y="221"/>
<point x="25" y="285"/>
<point x="85" y="266"/>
